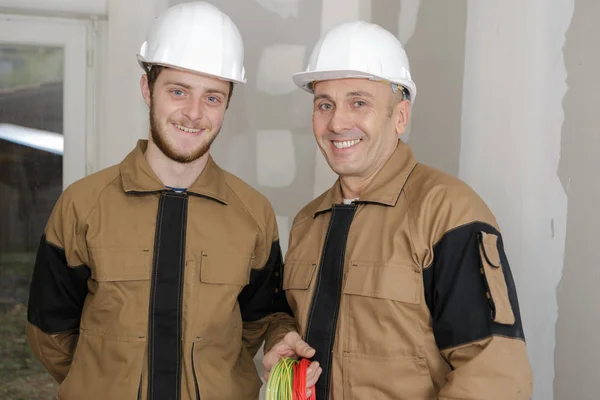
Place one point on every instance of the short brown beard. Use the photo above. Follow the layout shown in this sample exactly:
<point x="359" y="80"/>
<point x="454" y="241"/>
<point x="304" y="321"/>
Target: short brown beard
<point x="167" y="150"/>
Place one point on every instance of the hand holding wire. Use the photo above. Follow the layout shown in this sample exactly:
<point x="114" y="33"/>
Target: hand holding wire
<point x="292" y="346"/>
<point x="282" y="370"/>
<point x="288" y="380"/>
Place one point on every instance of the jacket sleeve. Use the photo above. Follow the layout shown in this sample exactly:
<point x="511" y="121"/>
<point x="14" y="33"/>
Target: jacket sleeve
<point x="266" y="314"/>
<point x="471" y="295"/>
<point x="57" y="292"/>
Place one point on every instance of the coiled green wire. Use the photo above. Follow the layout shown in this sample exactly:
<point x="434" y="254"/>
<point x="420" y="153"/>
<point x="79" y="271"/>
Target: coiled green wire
<point x="280" y="382"/>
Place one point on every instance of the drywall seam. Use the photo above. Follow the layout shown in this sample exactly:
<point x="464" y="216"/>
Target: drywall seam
<point x="515" y="80"/>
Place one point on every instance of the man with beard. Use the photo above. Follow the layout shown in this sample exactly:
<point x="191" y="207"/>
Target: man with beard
<point x="396" y="275"/>
<point x="159" y="278"/>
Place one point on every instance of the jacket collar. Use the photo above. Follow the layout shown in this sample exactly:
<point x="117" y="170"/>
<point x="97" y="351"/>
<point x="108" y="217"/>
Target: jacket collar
<point x="137" y="177"/>
<point x="385" y="188"/>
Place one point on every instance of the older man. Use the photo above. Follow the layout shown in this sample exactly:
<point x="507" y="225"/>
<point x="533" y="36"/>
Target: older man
<point x="397" y="275"/>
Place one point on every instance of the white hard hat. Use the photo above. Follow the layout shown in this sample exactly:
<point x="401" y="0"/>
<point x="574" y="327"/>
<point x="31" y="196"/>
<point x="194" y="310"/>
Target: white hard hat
<point x="197" y="37"/>
<point x="358" y="49"/>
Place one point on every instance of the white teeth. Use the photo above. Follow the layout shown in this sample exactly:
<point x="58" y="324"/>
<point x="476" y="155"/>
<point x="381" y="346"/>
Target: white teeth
<point x="190" y="130"/>
<point x="346" y="144"/>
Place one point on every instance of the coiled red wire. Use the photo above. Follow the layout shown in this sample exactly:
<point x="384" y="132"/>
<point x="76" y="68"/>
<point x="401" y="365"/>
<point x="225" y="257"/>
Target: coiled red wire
<point x="299" y="383"/>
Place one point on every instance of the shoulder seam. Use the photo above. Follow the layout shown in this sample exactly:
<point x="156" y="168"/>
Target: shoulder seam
<point x="61" y="249"/>
<point x="412" y="230"/>
<point x="100" y="195"/>
<point x="494" y="230"/>
<point x="242" y="202"/>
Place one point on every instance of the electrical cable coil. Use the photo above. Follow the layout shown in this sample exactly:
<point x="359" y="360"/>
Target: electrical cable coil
<point x="288" y="380"/>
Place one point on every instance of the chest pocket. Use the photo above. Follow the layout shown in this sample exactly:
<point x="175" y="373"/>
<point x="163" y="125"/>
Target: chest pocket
<point x="389" y="281"/>
<point x="223" y="275"/>
<point x="382" y="305"/>
<point x="120" y="264"/>
<point x="117" y="303"/>
<point x="225" y="268"/>
<point x="298" y="276"/>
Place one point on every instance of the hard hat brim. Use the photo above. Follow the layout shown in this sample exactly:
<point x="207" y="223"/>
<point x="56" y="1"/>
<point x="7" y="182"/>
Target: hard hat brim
<point x="143" y="62"/>
<point x="304" y="80"/>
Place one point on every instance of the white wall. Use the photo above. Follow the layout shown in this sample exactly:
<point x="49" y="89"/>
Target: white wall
<point x="126" y="113"/>
<point x="512" y="117"/>
<point x="98" y="7"/>
<point x="577" y="352"/>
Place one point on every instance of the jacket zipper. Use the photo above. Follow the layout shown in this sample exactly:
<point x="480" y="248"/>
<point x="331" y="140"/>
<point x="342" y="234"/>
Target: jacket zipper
<point x="194" y="373"/>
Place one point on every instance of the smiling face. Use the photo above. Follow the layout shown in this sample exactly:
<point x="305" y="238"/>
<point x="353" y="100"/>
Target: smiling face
<point x="356" y="123"/>
<point x="186" y="112"/>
